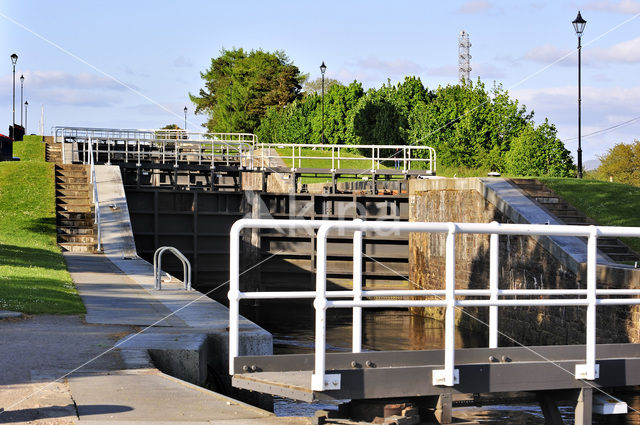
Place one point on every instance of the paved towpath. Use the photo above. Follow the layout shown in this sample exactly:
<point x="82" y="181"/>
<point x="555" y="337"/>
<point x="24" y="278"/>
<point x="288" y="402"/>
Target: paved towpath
<point x="38" y="352"/>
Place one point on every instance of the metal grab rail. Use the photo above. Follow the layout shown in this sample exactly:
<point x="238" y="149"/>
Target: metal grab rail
<point x="449" y="375"/>
<point x="165" y="146"/>
<point x="96" y="201"/>
<point x="157" y="267"/>
<point x="403" y="156"/>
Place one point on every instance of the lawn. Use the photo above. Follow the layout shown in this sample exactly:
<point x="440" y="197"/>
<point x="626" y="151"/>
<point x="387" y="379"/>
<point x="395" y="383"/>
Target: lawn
<point x="610" y="204"/>
<point x="33" y="274"/>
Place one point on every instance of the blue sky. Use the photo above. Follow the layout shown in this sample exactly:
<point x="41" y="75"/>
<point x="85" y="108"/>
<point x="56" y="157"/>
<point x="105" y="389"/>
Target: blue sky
<point x="132" y="64"/>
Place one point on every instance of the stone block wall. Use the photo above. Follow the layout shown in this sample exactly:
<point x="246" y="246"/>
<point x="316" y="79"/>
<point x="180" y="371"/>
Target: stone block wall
<point x="524" y="263"/>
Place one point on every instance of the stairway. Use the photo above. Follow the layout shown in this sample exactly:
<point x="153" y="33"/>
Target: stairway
<point x="53" y="151"/>
<point x="74" y="209"/>
<point x="568" y="214"/>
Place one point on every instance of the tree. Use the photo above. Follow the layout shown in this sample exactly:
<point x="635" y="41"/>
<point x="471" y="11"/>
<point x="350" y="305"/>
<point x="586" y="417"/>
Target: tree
<point x="622" y="162"/>
<point x="378" y="119"/>
<point x="240" y="87"/>
<point x="315" y="86"/>
<point x="538" y="152"/>
<point x="467" y="125"/>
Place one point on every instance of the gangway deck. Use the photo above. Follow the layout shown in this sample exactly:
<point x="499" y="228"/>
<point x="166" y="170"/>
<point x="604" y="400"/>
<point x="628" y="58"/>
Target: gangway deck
<point x="403" y="374"/>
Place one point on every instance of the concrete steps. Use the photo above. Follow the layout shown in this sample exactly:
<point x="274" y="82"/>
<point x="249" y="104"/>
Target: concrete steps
<point x="53" y="152"/>
<point x="535" y="190"/>
<point x="74" y="209"/>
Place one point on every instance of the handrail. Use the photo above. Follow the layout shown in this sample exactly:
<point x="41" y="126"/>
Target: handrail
<point x="127" y="145"/>
<point x="157" y="267"/>
<point x="403" y="156"/>
<point x="448" y="376"/>
<point x="96" y="201"/>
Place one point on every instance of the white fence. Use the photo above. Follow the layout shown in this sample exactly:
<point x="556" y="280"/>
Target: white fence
<point x="162" y="146"/>
<point x="357" y="299"/>
<point x="169" y="146"/>
<point x="375" y="157"/>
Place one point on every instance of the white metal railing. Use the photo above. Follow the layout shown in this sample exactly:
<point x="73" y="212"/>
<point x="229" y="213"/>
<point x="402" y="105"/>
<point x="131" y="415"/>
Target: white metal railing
<point x="163" y="146"/>
<point x="403" y="157"/>
<point x="448" y="297"/>
<point x="157" y="267"/>
<point x="96" y="200"/>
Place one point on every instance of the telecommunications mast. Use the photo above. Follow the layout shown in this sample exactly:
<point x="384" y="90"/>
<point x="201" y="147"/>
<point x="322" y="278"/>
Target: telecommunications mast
<point x="464" y="57"/>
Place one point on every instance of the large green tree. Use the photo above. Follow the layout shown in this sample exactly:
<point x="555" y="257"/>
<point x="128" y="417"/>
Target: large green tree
<point x="538" y="152"/>
<point x="468" y="125"/>
<point x="240" y="86"/>
<point x="621" y="163"/>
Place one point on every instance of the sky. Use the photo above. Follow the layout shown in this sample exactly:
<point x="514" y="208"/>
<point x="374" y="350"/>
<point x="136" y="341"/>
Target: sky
<point x="117" y="64"/>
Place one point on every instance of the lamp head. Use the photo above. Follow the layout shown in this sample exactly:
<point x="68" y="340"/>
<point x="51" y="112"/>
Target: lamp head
<point x="579" y="24"/>
<point x="22" y="78"/>
<point x="323" y="68"/>
<point x="14" y="58"/>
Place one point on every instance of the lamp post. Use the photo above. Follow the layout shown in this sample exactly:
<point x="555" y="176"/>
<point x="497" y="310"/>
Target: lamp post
<point x="323" y="68"/>
<point x="185" y="118"/>
<point x="21" y="96"/>
<point x="26" y="105"/>
<point x="579" y="24"/>
<point x="14" y="59"/>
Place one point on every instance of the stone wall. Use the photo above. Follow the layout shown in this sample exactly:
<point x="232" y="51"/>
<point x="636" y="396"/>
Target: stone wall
<point x="525" y="262"/>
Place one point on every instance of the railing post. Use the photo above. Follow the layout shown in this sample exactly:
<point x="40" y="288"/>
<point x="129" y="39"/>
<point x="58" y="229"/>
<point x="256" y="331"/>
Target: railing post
<point x="494" y="247"/>
<point x="234" y="293"/>
<point x="357" y="289"/>
<point x="449" y="376"/>
<point x="590" y="370"/>
<point x="320" y="305"/>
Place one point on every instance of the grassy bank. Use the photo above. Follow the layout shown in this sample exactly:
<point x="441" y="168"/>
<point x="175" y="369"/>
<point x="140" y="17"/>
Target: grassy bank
<point x="610" y="204"/>
<point x="33" y="275"/>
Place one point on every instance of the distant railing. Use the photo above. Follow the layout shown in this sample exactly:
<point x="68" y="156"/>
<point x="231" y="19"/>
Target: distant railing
<point x="448" y="376"/>
<point x="157" y="267"/>
<point x="160" y="146"/>
<point x="96" y="200"/>
<point x="374" y="157"/>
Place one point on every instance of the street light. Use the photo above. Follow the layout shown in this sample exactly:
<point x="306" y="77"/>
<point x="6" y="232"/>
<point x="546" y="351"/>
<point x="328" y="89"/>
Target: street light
<point x="14" y="59"/>
<point x="26" y="105"/>
<point x="578" y="25"/>
<point x="21" y="96"/>
<point x="323" y="68"/>
<point x="185" y="118"/>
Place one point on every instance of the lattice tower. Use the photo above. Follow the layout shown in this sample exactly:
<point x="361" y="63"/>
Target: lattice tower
<point x="464" y="57"/>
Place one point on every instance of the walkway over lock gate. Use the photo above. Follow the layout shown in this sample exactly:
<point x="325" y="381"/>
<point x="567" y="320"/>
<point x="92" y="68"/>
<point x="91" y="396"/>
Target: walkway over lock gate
<point x="585" y="369"/>
<point x="177" y="148"/>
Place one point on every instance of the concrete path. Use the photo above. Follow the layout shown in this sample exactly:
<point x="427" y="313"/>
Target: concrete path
<point x="122" y="385"/>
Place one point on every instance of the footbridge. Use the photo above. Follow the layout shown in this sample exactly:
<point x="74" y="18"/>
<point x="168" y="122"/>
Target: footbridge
<point x="583" y="373"/>
<point x="188" y="159"/>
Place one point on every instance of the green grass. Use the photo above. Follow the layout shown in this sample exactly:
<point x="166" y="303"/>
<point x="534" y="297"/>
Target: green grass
<point x="33" y="275"/>
<point x="610" y="204"/>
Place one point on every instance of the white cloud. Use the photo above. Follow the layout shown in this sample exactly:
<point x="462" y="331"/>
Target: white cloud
<point x="182" y="62"/>
<point x="36" y="80"/>
<point x="549" y="53"/>
<point x="624" y="52"/>
<point x="474" y="6"/>
<point x="624" y="6"/>
<point x="63" y="88"/>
